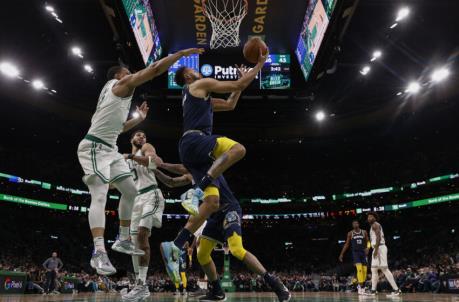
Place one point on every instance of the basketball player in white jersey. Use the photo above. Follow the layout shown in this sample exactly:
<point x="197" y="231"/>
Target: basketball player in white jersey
<point x="148" y="207"/>
<point x="379" y="257"/>
<point x="101" y="162"/>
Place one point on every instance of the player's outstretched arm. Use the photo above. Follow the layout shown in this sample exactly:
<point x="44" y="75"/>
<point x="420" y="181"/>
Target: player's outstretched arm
<point x="142" y="112"/>
<point x="130" y="82"/>
<point x="149" y="158"/>
<point x="211" y="85"/>
<point x="173" y="182"/>
<point x="174" y="168"/>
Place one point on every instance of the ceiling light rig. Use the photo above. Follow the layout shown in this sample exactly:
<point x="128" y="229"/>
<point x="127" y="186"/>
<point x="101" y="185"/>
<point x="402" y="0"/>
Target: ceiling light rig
<point x="11" y="71"/>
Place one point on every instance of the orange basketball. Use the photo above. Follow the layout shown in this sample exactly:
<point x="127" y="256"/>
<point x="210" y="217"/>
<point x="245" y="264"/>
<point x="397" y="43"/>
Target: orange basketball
<point x="252" y="48"/>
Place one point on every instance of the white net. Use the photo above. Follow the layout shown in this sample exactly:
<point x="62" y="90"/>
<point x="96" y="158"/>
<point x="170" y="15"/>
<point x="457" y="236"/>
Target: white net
<point x="225" y="17"/>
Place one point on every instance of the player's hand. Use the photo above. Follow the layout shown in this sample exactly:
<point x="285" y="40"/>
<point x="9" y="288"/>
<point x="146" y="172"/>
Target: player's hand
<point x="263" y="57"/>
<point x="340" y="258"/>
<point x="242" y="70"/>
<point x="190" y="251"/>
<point x="142" y="110"/>
<point x="375" y="253"/>
<point x="367" y="251"/>
<point x="191" y="51"/>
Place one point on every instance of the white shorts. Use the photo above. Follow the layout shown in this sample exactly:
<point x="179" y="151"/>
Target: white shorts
<point x="148" y="211"/>
<point x="99" y="159"/>
<point x="381" y="260"/>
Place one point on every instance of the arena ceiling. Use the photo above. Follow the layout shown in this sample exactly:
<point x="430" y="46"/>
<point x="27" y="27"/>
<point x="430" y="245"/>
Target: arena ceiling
<point x="41" y="47"/>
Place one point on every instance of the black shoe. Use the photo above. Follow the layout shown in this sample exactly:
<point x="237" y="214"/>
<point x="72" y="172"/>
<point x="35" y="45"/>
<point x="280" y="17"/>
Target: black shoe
<point x="279" y="288"/>
<point x="197" y="294"/>
<point x="213" y="295"/>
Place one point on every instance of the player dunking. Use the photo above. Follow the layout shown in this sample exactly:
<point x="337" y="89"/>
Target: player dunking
<point x="207" y="156"/>
<point x="358" y="239"/>
<point x="379" y="258"/>
<point x="101" y="162"/>
<point x="148" y="207"/>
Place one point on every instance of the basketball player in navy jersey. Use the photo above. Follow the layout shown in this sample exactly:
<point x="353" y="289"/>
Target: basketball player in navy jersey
<point x="207" y="156"/>
<point x="358" y="240"/>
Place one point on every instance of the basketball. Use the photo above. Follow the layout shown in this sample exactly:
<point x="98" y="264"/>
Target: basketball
<point x="252" y="48"/>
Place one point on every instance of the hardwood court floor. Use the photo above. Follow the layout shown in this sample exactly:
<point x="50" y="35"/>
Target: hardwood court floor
<point x="243" y="297"/>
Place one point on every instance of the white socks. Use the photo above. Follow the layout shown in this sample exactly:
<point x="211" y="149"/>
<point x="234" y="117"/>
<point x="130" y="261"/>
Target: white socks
<point x="124" y="233"/>
<point x="99" y="244"/>
<point x="143" y="273"/>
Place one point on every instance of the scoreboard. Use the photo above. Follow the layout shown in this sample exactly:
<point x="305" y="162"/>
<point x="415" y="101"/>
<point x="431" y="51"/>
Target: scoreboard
<point x="276" y="73"/>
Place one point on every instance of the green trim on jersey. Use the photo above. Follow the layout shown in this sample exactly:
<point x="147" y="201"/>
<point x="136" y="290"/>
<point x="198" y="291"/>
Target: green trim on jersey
<point x="120" y="176"/>
<point x="147" y="189"/>
<point x="94" y="164"/>
<point x="94" y="139"/>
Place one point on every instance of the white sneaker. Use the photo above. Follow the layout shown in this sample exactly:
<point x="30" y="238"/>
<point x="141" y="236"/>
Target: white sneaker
<point x="101" y="263"/>
<point x="394" y="294"/>
<point x="127" y="247"/>
<point x="190" y="200"/>
<point x="140" y="292"/>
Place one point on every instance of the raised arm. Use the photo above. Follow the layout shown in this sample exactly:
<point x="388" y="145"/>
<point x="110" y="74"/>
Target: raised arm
<point x="226" y="105"/>
<point x="149" y="158"/>
<point x="174" y="168"/>
<point x="209" y="85"/>
<point x="345" y="247"/>
<point x="125" y="86"/>
<point x="142" y="112"/>
<point x="173" y="182"/>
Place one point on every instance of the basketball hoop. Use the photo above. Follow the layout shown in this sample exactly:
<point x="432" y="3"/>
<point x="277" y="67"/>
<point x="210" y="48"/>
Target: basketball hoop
<point x="225" y="16"/>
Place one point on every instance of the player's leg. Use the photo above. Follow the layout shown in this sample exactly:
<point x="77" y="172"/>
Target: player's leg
<point x="254" y="265"/>
<point x="385" y="270"/>
<point x="215" y="293"/>
<point x="360" y="278"/>
<point x="123" y="181"/>
<point x="226" y="153"/>
<point x="171" y="250"/>
<point x="184" y="281"/>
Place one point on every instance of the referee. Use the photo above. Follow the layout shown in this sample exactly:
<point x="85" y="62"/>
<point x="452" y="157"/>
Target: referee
<point x="52" y="266"/>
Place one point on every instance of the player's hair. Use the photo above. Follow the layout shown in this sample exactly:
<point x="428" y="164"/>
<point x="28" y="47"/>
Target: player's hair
<point x="137" y="131"/>
<point x="180" y="76"/>
<point x="374" y="214"/>
<point x="112" y="71"/>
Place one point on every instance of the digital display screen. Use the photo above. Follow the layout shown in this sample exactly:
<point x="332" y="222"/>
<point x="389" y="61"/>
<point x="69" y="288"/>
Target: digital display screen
<point x="275" y="74"/>
<point x="143" y="25"/>
<point x="191" y="61"/>
<point x="315" y="25"/>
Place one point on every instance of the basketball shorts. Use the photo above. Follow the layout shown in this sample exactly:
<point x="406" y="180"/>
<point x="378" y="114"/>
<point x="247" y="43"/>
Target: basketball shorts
<point x="222" y="224"/>
<point x="147" y="211"/>
<point x="381" y="259"/>
<point x="359" y="257"/>
<point x="99" y="159"/>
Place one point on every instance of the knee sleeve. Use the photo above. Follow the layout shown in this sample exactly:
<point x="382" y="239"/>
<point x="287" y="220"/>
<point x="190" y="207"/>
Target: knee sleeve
<point x="184" y="280"/>
<point x="205" y="250"/>
<point x="211" y="191"/>
<point x="235" y="246"/>
<point x="364" y="273"/>
<point x="223" y="145"/>
<point x="98" y="190"/>
<point x="128" y="192"/>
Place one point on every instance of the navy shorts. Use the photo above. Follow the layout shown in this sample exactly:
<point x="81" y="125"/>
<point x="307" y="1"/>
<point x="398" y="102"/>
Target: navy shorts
<point x="359" y="257"/>
<point x="222" y="224"/>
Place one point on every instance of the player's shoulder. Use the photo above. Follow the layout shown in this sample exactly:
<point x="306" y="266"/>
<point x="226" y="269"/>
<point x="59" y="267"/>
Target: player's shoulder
<point x="147" y="147"/>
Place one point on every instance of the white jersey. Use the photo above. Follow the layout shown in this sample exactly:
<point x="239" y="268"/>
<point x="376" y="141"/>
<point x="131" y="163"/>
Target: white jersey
<point x="373" y="236"/>
<point x="143" y="177"/>
<point x="111" y="114"/>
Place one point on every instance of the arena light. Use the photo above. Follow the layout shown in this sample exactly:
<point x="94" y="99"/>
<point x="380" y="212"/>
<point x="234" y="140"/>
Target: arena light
<point x="365" y="70"/>
<point x="135" y="115"/>
<point x="413" y="88"/>
<point x="402" y="14"/>
<point x="88" y="68"/>
<point x="393" y="25"/>
<point x="376" y="55"/>
<point x="9" y="69"/>
<point x="77" y="51"/>
<point x="320" y="116"/>
<point x="440" y="74"/>
<point x="38" y="84"/>
<point x="49" y="8"/>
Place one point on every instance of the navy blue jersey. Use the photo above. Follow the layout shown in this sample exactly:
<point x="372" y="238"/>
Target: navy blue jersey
<point x="197" y="112"/>
<point x="357" y="241"/>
